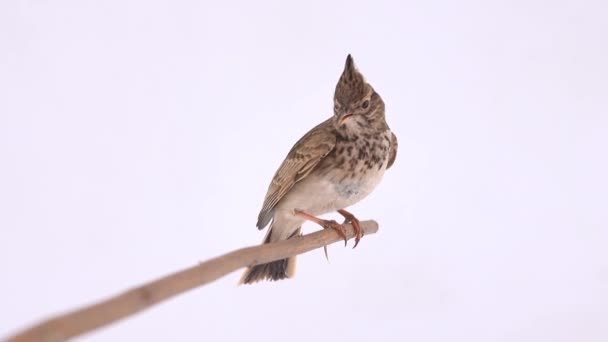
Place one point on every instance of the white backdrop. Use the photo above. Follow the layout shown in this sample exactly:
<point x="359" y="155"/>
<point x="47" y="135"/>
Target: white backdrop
<point x="139" y="137"/>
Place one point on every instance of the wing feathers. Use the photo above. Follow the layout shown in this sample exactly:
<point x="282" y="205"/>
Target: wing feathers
<point x="300" y="161"/>
<point x="393" y="151"/>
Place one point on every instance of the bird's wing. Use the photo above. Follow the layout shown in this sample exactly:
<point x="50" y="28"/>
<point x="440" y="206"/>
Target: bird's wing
<point x="303" y="157"/>
<point x="392" y="153"/>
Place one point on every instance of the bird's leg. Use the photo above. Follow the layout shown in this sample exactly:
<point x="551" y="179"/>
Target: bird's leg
<point x="350" y="218"/>
<point x="326" y="224"/>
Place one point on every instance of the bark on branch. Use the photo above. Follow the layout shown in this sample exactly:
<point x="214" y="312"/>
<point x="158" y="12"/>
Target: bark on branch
<point x="88" y="318"/>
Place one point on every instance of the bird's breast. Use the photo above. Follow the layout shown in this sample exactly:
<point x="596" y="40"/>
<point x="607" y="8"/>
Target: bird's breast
<point x="343" y="178"/>
<point x="356" y="167"/>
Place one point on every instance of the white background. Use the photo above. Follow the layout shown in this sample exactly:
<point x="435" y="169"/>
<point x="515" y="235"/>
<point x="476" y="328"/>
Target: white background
<point x="139" y="137"/>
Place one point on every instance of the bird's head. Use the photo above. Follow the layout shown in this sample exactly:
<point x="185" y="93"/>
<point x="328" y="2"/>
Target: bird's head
<point x="356" y="104"/>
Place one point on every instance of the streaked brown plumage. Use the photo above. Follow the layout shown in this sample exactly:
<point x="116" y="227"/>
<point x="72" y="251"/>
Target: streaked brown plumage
<point x="333" y="166"/>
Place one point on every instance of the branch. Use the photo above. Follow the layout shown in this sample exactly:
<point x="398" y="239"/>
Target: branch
<point x="86" y="319"/>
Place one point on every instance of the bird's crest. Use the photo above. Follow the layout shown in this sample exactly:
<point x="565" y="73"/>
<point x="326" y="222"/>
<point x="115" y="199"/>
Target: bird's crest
<point x="352" y="84"/>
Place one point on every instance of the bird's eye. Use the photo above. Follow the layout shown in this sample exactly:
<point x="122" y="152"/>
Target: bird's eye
<point x="365" y="104"/>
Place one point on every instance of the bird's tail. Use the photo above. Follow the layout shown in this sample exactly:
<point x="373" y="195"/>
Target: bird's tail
<point x="276" y="270"/>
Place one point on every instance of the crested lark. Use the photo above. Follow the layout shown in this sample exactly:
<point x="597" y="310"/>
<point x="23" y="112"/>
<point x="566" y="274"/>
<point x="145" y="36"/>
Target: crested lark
<point x="333" y="166"/>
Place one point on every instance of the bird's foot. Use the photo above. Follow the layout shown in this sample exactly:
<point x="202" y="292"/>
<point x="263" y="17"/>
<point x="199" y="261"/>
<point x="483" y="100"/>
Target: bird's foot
<point x="331" y="224"/>
<point x="326" y="224"/>
<point x="350" y="218"/>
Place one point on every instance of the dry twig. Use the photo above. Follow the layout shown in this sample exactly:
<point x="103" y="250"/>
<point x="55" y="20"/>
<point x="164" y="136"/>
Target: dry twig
<point x="80" y="321"/>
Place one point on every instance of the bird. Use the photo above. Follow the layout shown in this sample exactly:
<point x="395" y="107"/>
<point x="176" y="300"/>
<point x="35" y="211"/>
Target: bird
<point x="333" y="166"/>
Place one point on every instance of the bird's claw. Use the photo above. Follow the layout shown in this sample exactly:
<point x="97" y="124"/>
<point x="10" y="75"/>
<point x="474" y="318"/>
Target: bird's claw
<point x="331" y="224"/>
<point x="350" y="218"/>
<point x="358" y="232"/>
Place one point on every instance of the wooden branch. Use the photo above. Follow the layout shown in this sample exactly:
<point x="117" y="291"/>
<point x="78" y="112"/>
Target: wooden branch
<point x="86" y="319"/>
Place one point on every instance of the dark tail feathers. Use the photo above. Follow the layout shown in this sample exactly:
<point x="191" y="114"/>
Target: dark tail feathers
<point x="272" y="271"/>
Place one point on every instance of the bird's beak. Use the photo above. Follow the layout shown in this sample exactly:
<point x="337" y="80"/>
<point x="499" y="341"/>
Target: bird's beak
<point x="344" y="118"/>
